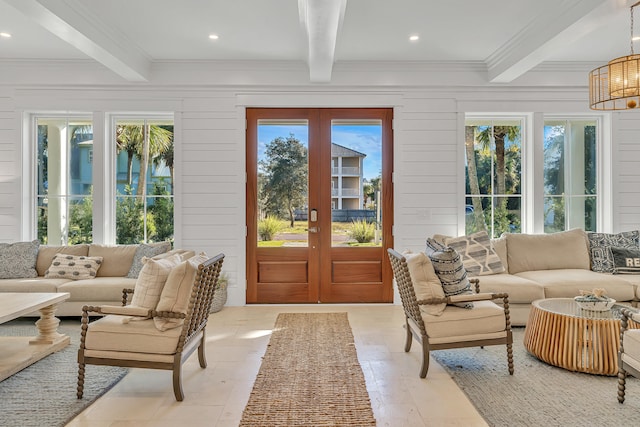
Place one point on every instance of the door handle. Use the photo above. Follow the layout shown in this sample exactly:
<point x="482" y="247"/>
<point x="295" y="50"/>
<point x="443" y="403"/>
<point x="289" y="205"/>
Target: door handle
<point x="313" y="229"/>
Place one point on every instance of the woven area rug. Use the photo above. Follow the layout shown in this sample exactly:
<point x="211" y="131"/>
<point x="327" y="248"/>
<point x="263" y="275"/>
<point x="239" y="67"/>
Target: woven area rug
<point x="44" y="394"/>
<point x="310" y="376"/>
<point x="537" y="394"/>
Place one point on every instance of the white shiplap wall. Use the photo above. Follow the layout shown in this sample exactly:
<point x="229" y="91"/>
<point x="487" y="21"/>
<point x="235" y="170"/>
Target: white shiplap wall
<point x="210" y="146"/>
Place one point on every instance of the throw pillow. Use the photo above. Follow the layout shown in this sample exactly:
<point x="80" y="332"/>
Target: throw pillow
<point x="600" y="248"/>
<point x="450" y="270"/>
<point x="151" y="280"/>
<point x="177" y="291"/>
<point x="478" y="258"/>
<point x="426" y="283"/>
<point x="626" y="261"/>
<point x="73" y="267"/>
<point x="18" y="260"/>
<point x="149" y="251"/>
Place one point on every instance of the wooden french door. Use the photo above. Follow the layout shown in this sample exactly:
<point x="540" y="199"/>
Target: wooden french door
<point x="319" y="200"/>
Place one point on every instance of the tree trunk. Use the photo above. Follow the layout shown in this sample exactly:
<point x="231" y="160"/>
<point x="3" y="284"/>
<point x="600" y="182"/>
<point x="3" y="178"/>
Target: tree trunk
<point x="144" y="162"/>
<point x="130" y="168"/>
<point x="500" y="166"/>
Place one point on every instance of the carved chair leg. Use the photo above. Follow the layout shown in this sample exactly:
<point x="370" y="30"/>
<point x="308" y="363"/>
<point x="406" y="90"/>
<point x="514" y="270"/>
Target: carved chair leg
<point x="81" y="367"/>
<point x="510" y="358"/>
<point x="425" y="361"/>
<point x="177" y="382"/>
<point x="409" y="339"/>
<point x="622" y="377"/>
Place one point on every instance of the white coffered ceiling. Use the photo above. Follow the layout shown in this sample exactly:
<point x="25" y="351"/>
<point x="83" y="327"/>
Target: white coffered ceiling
<point x="127" y="36"/>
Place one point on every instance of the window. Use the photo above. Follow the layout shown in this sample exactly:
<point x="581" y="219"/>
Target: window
<point x="64" y="180"/>
<point x="144" y="180"/>
<point x="67" y="182"/>
<point x="570" y="184"/>
<point x="493" y="196"/>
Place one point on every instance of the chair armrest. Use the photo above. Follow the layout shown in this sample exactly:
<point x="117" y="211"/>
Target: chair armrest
<point x="627" y="315"/>
<point x="125" y="295"/>
<point x="476" y="282"/>
<point x="125" y="311"/>
<point x="168" y="314"/>
<point x="486" y="296"/>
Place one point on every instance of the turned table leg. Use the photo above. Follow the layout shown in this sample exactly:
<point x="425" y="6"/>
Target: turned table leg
<point x="47" y="326"/>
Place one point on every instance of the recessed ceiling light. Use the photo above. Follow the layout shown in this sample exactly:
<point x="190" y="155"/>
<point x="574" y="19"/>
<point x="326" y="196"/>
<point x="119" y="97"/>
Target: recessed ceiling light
<point x="414" y="38"/>
<point x="5" y="35"/>
<point x="214" y="36"/>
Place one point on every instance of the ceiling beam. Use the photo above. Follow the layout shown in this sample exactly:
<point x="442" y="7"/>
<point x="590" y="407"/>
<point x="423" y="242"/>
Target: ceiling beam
<point x="556" y="27"/>
<point x="322" y="21"/>
<point x="71" y="21"/>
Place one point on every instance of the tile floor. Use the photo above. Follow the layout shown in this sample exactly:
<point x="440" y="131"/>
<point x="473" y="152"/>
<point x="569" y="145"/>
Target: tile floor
<point x="237" y="339"/>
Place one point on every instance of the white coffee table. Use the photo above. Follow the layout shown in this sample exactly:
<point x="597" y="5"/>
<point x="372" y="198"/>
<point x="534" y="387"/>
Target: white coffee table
<point x="16" y="353"/>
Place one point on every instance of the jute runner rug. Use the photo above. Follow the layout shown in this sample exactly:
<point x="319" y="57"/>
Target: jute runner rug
<point x="310" y="376"/>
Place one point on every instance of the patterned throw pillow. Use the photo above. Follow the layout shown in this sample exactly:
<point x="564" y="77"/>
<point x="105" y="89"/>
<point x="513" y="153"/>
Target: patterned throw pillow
<point x="478" y="258"/>
<point x="18" y="260"/>
<point x="600" y="248"/>
<point x="149" y="251"/>
<point x="450" y="270"/>
<point x="626" y="261"/>
<point x="73" y="267"/>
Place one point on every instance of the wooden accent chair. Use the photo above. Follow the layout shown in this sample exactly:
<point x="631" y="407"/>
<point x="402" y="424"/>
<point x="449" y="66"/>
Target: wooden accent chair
<point x="629" y="353"/>
<point x="127" y="336"/>
<point x="456" y="327"/>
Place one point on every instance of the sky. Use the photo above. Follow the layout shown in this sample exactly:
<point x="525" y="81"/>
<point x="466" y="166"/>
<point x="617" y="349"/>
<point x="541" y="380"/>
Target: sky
<point x="366" y="139"/>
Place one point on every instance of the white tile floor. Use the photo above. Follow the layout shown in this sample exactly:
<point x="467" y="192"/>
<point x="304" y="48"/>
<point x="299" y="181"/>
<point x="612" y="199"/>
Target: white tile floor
<point x="237" y="339"/>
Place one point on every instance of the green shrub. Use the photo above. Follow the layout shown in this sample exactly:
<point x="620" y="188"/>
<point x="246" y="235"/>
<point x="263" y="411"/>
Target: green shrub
<point x="362" y="231"/>
<point x="268" y="227"/>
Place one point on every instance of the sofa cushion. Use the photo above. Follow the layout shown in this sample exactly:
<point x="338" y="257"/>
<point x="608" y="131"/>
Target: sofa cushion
<point x="485" y="317"/>
<point x="116" y="333"/>
<point x="520" y="290"/>
<point x="600" y="248"/>
<point x="450" y="270"/>
<point x="46" y="254"/>
<point x="151" y="280"/>
<point x="98" y="289"/>
<point x="426" y="283"/>
<point x="569" y="282"/>
<point x="531" y="252"/>
<point x="478" y="258"/>
<point x="149" y="251"/>
<point x="625" y="260"/>
<point x="177" y="291"/>
<point x="35" y="284"/>
<point x="18" y="260"/>
<point x="73" y="267"/>
<point x="116" y="259"/>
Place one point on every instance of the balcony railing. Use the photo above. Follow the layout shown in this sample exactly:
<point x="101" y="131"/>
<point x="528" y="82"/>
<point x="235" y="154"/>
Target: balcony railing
<point x="346" y="170"/>
<point x="346" y="192"/>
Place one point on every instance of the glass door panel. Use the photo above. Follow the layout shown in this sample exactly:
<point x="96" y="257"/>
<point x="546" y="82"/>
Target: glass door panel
<point x="283" y="181"/>
<point x="356" y="183"/>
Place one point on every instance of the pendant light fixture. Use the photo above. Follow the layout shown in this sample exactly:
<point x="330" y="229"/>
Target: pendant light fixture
<point x="616" y="86"/>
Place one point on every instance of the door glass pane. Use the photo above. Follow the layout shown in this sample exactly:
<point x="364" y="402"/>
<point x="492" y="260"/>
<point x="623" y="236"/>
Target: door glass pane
<point x="356" y="184"/>
<point x="283" y="183"/>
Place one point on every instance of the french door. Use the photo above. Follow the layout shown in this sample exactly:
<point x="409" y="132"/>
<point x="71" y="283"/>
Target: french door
<point x="319" y="200"/>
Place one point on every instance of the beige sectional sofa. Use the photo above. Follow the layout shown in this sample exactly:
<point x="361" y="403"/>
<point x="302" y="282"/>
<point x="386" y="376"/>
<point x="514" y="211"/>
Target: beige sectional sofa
<point x="114" y="274"/>
<point x="557" y="265"/>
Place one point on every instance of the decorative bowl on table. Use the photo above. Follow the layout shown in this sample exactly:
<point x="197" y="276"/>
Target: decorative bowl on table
<point x="594" y="303"/>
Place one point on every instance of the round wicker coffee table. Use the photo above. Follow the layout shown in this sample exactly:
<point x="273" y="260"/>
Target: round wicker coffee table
<point x="562" y="334"/>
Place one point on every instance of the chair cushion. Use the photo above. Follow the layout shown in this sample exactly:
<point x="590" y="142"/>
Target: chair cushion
<point x="146" y="250"/>
<point x="116" y="333"/>
<point x="631" y="343"/>
<point x="116" y="260"/>
<point x="426" y="283"/>
<point x="73" y="267"/>
<point x="46" y="254"/>
<point x="486" y="317"/>
<point x="177" y="291"/>
<point x="18" y="260"/>
<point x="478" y="258"/>
<point x="151" y="280"/>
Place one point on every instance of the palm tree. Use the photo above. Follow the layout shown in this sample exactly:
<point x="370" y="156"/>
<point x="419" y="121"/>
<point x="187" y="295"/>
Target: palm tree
<point x="472" y="173"/>
<point x="166" y="157"/>
<point x="144" y="141"/>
